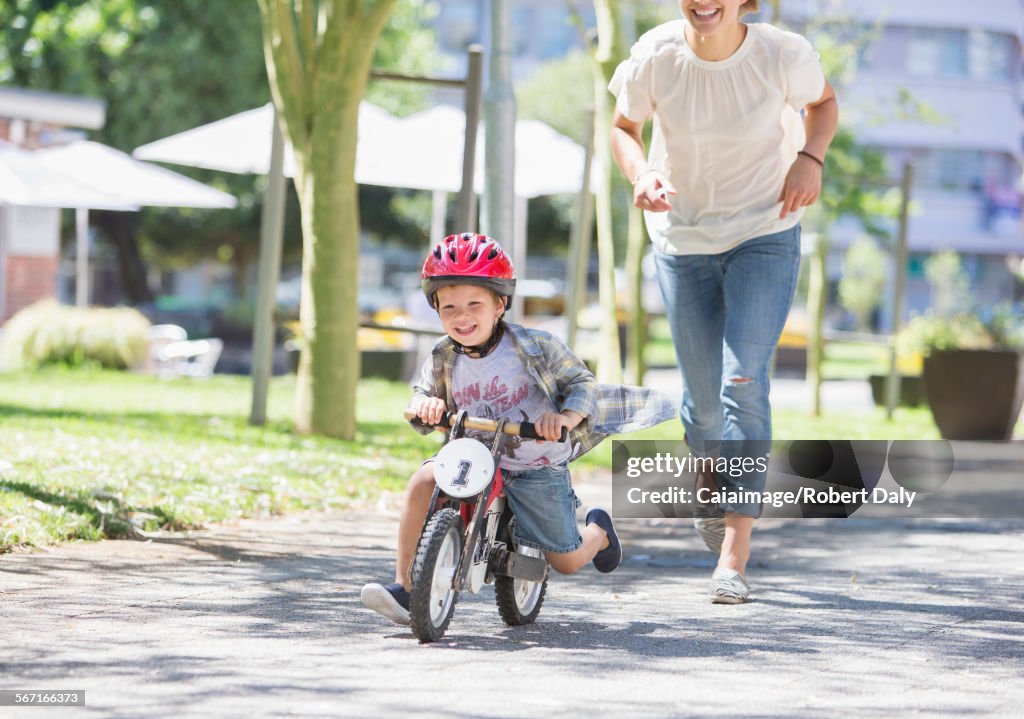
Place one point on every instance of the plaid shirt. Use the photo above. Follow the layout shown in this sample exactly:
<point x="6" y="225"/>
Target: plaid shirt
<point x="564" y="378"/>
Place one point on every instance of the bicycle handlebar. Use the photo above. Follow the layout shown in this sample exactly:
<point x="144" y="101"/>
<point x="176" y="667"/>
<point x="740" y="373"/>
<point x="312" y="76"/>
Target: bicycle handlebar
<point x="527" y="430"/>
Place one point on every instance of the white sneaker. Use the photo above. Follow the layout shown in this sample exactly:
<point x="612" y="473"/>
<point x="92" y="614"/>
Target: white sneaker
<point x="728" y="587"/>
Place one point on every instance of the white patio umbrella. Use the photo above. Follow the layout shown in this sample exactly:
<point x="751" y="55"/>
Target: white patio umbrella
<point x="546" y="163"/>
<point x="131" y="181"/>
<point x="25" y="181"/>
<point x="241" y="143"/>
<point x="87" y="175"/>
<point x="420" y="152"/>
<point x="428" y="155"/>
<point x="249" y="142"/>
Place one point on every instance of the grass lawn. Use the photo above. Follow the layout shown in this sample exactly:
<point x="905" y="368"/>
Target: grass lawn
<point x="85" y="455"/>
<point x="92" y="454"/>
<point x="852" y="360"/>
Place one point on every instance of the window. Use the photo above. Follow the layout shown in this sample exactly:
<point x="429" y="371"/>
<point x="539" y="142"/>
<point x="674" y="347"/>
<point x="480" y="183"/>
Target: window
<point x="965" y="170"/>
<point x="977" y="54"/>
<point x="989" y="55"/>
<point x="937" y="53"/>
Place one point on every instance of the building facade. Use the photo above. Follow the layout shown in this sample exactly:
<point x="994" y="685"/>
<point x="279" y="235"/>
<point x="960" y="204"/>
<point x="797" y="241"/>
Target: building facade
<point x="542" y="30"/>
<point x="30" y="236"/>
<point x="941" y="88"/>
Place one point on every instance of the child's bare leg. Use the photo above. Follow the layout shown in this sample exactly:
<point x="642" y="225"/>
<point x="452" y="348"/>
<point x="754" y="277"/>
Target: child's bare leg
<point x="594" y="540"/>
<point x="414" y="510"/>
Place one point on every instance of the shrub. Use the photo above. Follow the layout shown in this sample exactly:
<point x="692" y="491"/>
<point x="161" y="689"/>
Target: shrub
<point x="863" y="282"/>
<point x="50" y="333"/>
<point x="946" y="326"/>
<point x="1000" y="327"/>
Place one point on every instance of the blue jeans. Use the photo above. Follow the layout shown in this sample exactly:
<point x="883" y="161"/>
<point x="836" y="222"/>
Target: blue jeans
<point x="544" y="505"/>
<point x="726" y="313"/>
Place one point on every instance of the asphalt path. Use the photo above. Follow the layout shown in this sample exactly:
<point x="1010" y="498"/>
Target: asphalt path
<point x="858" y="617"/>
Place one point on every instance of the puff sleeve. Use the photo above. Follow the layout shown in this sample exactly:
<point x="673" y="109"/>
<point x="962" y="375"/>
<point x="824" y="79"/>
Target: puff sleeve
<point x="631" y="84"/>
<point x="801" y="71"/>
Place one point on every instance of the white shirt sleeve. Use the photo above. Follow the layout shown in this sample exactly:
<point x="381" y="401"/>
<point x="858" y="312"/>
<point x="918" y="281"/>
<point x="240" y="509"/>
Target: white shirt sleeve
<point x="801" y="72"/>
<point x="631" y="85"/>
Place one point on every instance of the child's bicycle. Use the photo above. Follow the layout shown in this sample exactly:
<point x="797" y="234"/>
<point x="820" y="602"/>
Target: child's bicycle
<point x="468" y="539"/>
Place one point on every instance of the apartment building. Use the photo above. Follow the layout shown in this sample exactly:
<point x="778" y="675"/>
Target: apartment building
<point x="541" y="30"/>
<point x="966" y="148"/>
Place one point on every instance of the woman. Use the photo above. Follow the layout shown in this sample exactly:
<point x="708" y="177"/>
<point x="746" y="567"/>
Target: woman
<point x="731" y="168"/>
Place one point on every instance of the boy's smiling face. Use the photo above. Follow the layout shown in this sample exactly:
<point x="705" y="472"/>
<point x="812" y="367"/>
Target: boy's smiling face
<point x="468" y="313"/>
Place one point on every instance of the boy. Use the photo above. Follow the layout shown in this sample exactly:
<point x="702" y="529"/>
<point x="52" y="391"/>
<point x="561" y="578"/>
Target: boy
<point x="496" y="369"/>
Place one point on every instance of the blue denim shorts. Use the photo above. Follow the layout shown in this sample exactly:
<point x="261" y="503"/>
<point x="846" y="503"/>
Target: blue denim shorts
<point x="545" y="507"/>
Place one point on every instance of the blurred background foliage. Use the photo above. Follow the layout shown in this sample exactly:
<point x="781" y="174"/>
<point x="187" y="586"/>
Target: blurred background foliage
<point x="163" y="67"/>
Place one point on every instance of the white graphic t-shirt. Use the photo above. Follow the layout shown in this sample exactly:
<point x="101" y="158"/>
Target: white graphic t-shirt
<point x="498" y="386"/>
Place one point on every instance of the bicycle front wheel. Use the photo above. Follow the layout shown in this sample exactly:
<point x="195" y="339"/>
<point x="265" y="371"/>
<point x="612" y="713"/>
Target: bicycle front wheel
<point x="432" y="600"/>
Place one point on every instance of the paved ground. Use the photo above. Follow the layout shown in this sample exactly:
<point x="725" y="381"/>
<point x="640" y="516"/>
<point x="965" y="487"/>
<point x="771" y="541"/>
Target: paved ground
<point x="875" y="618"/>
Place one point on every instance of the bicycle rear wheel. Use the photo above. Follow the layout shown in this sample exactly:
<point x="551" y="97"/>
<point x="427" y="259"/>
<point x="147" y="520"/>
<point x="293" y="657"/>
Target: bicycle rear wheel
<point x="519" y="600"/>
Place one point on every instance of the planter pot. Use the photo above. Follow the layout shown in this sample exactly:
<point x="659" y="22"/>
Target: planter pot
<point x="975" y="394"/>
<point x="911" y="389"/>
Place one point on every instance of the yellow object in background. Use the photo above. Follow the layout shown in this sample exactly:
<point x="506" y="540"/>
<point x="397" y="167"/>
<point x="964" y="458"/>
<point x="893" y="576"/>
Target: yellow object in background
<point x="374" y="339"/>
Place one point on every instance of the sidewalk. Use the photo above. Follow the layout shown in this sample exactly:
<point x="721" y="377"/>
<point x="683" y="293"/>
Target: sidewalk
<point x="862" y="617"/>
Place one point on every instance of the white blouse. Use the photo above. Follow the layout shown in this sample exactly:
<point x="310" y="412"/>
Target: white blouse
<point x="725" y="133"/>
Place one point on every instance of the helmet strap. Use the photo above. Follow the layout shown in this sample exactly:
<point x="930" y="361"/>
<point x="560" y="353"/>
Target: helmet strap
<point x="487" y="347"/>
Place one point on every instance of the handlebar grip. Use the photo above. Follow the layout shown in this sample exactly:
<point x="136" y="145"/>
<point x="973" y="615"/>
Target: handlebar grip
<point x="528" y="430"/>
<point x="446" y="419"/>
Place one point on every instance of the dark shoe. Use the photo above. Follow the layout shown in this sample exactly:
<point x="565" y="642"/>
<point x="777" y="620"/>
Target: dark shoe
<point x="390" y="600"/>
<point x="611" y="556"/>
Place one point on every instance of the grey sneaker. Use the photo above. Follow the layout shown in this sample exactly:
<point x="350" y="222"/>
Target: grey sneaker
<point x="728" y="587"/>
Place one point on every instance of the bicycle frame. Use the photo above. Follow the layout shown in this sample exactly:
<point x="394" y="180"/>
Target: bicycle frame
<point x="474" y="513"/>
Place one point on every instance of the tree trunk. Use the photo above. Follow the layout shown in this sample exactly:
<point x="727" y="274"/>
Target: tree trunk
<point x="636" y="336"/>
<point x="329" y="314"/>
<point x="121" y="229"/>
<point x="318" y="63"/>
<point x="817" y="297"/>
<point x="609" y="362"/>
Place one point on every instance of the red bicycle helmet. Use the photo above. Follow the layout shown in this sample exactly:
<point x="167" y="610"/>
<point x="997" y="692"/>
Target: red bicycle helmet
<point x="468" y="259"/>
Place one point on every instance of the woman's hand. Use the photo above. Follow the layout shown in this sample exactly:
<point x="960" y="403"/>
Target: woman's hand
<point x="802" y="186"/>
<point x="651" y="189"/>
<point x="651" y="192"/>
<point x="430" y="410"/>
